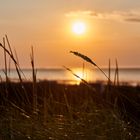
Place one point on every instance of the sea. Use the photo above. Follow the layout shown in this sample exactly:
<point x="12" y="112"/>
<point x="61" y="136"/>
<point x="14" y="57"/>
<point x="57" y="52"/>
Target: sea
<point x="74" y="75"/>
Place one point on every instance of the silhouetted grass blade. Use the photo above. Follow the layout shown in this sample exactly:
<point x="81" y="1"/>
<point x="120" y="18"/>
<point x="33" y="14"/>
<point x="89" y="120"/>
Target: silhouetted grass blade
<point x="83" y="57"/>
<point x="89" y="60"/>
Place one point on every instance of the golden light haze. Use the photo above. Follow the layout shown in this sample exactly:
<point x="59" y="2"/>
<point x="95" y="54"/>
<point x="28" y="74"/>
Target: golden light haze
<point x="112" y="31"/>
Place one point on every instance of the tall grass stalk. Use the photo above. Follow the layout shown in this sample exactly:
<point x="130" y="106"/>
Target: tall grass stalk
<point x="109" y="72"/>
<point x="117" y="72"/>
<point x="116" y="77"/>
<point x="13" y="58"/>
<point x="89" y="60"/>
<point x="16" y="57"/>
<point x="83" y="70"/>
<point x="34" y="82"/>
<point x="9" y="44"/>
<point x="109" y="82"/>
<point x="5" y="61"/>
<point x="10" y="53"/>
<point x="5" y="71"/>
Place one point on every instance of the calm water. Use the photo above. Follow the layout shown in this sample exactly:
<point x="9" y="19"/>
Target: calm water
<point x="91" y="75"/>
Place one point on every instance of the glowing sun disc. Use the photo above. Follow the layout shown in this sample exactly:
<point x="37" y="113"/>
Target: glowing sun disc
<point x="79" y="28"/>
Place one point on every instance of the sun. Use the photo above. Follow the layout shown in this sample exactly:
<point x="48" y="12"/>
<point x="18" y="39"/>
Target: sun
<point x="79" y="27"/>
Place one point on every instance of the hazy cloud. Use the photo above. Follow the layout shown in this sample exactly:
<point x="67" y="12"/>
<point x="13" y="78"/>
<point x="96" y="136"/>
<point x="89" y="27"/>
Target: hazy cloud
<point x="133" y="19"/>
<point x="127" y="16"/>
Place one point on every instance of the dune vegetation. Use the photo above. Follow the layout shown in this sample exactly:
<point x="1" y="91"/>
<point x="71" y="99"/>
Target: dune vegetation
<point x="47" y="110"/>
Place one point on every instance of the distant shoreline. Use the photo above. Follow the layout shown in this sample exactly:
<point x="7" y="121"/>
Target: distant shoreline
<point x="74" y="82"/>
<point x="127" y="76"/>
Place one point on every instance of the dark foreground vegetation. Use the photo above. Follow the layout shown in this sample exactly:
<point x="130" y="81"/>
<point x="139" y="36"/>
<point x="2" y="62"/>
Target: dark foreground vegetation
<point x="60" y="111"/>
<point x="47" y="110"/>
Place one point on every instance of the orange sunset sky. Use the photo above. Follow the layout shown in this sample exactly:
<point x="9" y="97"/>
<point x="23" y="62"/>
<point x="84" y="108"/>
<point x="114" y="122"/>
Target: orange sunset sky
<point x="112" y="30"/>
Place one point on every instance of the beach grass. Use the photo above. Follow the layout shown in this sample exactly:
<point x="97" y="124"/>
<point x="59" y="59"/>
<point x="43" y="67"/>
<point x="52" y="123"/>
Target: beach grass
<point x="47" y="110"/>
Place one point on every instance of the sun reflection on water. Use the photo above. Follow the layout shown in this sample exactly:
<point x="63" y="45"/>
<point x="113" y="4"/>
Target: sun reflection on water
<point x="80" y="74"/>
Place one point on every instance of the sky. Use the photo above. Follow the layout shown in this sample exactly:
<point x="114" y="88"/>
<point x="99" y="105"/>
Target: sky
<point x="113" y="31"/>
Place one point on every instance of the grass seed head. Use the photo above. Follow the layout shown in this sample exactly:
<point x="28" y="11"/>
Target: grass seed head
<point x="83" y="57"/>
